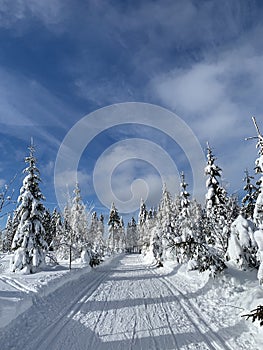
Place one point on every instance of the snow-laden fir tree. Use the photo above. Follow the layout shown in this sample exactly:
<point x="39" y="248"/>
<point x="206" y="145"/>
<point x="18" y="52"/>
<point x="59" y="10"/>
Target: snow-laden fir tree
<point x="249" y="200"/>
<point x="258" y="211"/>
<point x="150" y="223"/>
<point x="185" y="223"/>
<point x="28" y="243"/>
<point x="216" y="199"/>
<point x="56" y="229"/>
<point x="95" y="236"/>
<point x="114" y="230"/>
<point x="64" y="241"/>
<point x="184" y="198"/>
<point x="93" y="229"/>
<point x="165" y="223"/>
<point x="144" y="237"/>
<point x="132" y="236"/>
<point x="157" y="246"/>
<point x="47" y="226"/>
<point x="8" y="234"/>
<point x="79" y="225"/>
<point x="100" y="236"/>
<point x="122" y="238"/>
<point x="165" y="214"/>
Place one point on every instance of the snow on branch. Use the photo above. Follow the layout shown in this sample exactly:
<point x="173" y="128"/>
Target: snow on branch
<point x="259" y="137"/>
<point x="6" y="194"/>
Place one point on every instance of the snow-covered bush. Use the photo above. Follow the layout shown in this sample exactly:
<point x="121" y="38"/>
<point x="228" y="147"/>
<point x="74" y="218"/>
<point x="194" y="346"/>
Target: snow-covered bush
<point x="241" y="245"/>
<point x="258" y="235"/>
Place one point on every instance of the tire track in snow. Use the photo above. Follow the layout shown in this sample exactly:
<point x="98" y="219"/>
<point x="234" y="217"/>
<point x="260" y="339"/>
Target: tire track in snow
<point x="211" y="338"/>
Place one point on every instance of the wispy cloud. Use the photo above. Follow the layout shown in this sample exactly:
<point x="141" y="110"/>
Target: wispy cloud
<point x="17" y="13"/>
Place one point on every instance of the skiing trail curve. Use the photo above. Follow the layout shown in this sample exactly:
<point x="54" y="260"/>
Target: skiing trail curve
<point x="123" y="305"/>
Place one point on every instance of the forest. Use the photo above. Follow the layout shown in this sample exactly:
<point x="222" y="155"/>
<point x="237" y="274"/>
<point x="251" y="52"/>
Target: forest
<point x="178" y="229"/>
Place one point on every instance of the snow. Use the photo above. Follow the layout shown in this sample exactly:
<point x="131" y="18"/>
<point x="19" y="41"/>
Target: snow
<point x="258" y="235"/>
<point x="128" y="303"/>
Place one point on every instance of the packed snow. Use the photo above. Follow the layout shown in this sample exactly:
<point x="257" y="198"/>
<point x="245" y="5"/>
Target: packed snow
<point x="128" y="303"/>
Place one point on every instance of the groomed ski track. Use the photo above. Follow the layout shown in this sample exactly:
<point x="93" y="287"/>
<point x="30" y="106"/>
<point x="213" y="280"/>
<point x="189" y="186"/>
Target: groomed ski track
<point x="124" y="304"/>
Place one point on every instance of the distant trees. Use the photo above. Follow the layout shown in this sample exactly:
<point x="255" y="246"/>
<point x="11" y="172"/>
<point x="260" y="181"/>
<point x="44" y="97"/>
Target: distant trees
<point x="132" y="236"/>
<point x="115" y="230"/>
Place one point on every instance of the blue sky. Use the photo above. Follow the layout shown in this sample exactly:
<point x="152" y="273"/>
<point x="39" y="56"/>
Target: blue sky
<point x="62" y="59"/>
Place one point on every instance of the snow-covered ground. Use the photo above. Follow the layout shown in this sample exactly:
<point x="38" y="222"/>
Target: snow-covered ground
<point x="127" y="303"/>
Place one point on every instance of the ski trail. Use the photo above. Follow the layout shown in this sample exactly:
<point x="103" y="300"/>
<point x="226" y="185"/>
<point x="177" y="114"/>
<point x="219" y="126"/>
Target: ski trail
<point x="16" y="284"/>
<point x="209" y="335"/>
<point x="54" y="329"/>
<point x="125" y="305"/>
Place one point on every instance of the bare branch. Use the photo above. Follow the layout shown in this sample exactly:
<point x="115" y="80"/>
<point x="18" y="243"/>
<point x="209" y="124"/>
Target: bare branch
<point x="257" y="128"/>
<point x="6" y="194"/>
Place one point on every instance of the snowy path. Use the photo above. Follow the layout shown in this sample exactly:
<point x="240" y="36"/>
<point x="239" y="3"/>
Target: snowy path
<point x="123" y="305"/>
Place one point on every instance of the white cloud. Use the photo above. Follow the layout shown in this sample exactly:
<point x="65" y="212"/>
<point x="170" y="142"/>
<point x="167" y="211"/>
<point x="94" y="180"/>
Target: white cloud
<point x="194" y="91"/>
<point x="66" y="182"/>
<point x="2" y="183"/>
<point x="217" y="97"/>
<point x="133" y="169"/>
<point x="15" y="13"/>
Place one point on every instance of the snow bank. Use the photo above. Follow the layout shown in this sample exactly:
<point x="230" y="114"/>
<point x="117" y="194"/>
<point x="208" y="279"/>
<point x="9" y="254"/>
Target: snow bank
<point x="223" y="300"/>
<point x="18" y="291"/>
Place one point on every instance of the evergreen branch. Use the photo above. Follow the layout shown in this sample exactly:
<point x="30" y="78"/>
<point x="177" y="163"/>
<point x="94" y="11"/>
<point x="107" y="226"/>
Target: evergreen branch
<point x="256" y="314"/>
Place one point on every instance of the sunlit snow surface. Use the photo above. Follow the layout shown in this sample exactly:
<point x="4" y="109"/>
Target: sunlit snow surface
<point x="129" y="304"/>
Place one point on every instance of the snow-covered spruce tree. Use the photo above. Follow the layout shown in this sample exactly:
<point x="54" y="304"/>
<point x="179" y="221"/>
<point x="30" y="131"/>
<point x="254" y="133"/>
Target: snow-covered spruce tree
<point x="166" y="224"/>
<point x="28" y="243"/>
<point x="122" y="238"/>
<point x="179" y="227"/>
<point x="143" y="234"/>
<point x="95" y="238"/>
<point x="258" y="211"/>
<point x="150" y="223"/>
<point x="114" y="230"/>
<point x="93" y="229"/>
<point x="249" y="200"/>
<point x="100" y="236"/>
<point x="157" y="246"/>
<point x="185" y="223"/>
<point x="47" y="226"/>
<point x="131" y="236"/>
<point x="56" y="229"/>
<point x="8" y="234"/>
<point x="64" y="241"/>
<point x="79" y="225"/>
<point x="216" y="199"/>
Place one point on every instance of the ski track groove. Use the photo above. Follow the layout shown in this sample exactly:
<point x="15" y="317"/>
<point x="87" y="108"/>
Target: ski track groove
<point x="56" y="327"/>
<point x="15" y="284"/>
<point x="101" y="318"/>
<point x="148" y="319"/>
<point x="189" y="307"/>
<point x="169" y="323"/>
